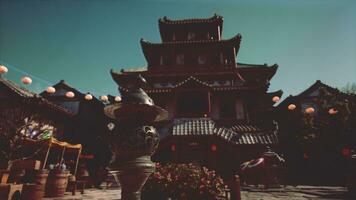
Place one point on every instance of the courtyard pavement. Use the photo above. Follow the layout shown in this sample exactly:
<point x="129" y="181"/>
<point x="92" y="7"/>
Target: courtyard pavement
<point x="248" y="193"/>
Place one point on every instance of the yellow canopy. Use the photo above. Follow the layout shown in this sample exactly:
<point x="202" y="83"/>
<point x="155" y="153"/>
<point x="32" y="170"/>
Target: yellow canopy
<point x="53" y="142"/>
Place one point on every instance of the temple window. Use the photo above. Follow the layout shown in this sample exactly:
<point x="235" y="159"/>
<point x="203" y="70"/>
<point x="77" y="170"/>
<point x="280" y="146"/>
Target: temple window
<point x="173" y="37"/>
<point x="239" y="109"/>
<point x="161" y="60"/>
<point x="180" y="59"/>
<point x="191" y="36"/>
<point x="192" y="104"/>
<point x="202" y="59"/>
<point x="221" y="58"/>
<point x="227" y="108"/>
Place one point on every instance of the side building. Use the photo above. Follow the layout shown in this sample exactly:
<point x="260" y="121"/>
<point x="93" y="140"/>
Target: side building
<point x="318" y="134"/>
<point x="88" y="127"/>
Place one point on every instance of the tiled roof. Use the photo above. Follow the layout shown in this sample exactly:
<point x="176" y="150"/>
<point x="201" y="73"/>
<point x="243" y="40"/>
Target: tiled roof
<point x="235" y="134"/>
<point x="33" y="97"/>
<point x="16" y="88"/>
<point x="235" y="41"/>
<point x="213" y="19"/>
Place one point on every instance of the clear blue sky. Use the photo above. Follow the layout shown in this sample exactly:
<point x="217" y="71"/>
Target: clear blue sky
<point x="81" y="40"/>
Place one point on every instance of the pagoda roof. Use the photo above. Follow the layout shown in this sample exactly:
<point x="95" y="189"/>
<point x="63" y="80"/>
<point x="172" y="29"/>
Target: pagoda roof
<point x="245" y="72"/>
<point x="235" y="41"/>
<point x="166" y="23"/>
<point x="214" y="19"/>
<point x="257" y="72"/>
<point x="236" y="134"/>
<point x="277" y="93"/>
<point x="32" y="97"/>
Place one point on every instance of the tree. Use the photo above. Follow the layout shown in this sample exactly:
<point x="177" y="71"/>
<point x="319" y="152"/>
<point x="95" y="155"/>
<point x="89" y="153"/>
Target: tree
<point x="349" y="88"/>
<point x="19" y="121"/>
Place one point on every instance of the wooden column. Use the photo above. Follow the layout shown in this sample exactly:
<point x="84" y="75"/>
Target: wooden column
<point x="46" y="156"/>
<point x="209" y="103"/>
<point x="219" y="37"/>
<point x="234" y="56"/>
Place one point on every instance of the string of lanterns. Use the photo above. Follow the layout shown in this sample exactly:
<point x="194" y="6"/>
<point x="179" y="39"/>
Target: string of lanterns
<point x="311" y="110"/>
<point x="51" y="90"/>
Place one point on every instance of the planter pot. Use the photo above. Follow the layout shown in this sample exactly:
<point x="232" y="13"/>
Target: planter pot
<point x="4" y="176"/>
<point x="16" y="176"/>
<point x="36" y="176"/>
<point x="57" y="182"/>
<point x="32" y="191"/>
<point x="10" y="191"/>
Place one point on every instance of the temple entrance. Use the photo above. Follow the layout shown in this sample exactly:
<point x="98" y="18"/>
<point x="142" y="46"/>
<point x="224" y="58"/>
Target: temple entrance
<point x="192" y="104"/>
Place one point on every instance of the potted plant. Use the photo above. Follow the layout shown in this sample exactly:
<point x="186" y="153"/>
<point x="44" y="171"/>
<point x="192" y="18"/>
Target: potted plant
<point x="183" y="181"/>
<point x="57" y="180"/>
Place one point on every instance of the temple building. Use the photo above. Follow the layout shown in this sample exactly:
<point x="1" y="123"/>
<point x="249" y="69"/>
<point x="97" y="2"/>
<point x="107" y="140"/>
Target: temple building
<point x="317" y="134"/>
<point x="219" y="109"/>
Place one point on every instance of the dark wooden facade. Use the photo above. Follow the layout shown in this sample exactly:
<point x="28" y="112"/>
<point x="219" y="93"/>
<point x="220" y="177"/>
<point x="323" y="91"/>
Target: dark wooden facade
<point x="26" y="114"/>
<point x="13" y="96"/>
<point x="219" y="109"/>
<point x="318" y="145"/>
<point x="88" y="127"/>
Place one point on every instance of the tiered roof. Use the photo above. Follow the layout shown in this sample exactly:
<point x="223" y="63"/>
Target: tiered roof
<point x="166" y="25"/>
<point x="32" y="97"/>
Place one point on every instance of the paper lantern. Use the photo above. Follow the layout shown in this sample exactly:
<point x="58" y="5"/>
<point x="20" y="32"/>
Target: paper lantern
<point x="3" y="69"/>
<point x="275" y="99"/>
<point x="173" y="147"/>
<point x="117" y="98"/>
<point x="88" y="97"/>
<point x="292" y="106"/>
<point x="205" y="115"/>
<point x="26" y="80"/>
<point x="51" y="90"/>
<point x="70" y="94"/>
<point x="332" y="111"/>
<point x="345" y="152"/>
<point x="104" y="98"/>
<point x="310" y="110"/>
<point x="214" y="147"/>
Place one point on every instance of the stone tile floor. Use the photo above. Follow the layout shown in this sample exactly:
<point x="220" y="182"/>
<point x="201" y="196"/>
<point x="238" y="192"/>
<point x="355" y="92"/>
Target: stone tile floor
<point x="248" y="193"/>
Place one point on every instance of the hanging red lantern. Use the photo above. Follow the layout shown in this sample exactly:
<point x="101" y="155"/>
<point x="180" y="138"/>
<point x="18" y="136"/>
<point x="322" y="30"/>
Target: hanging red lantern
<point x="88" y="97"/>
<point x="173" y="147"/>
<point x="3" y="69"/>
<point x="70" y="94"/>
<point x="26" y="80"/>
<point x="292" y="106"/>
<point x="117" y="98"/>
<point x="332" y="111"/>
<point x="214" y="147"/>
<point x="50" y="90"/>
<point x="345" y="152"/>
<point x="310" y="110"/>
<point x="104" y="98"/>
<point x="275" y="99"/>
<point x="305" y="156"/>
